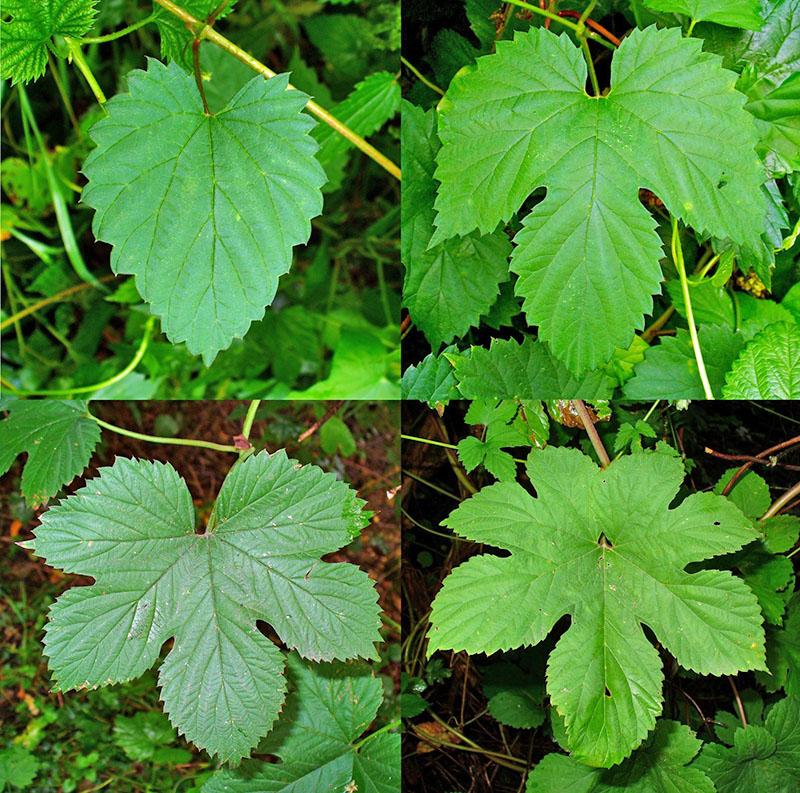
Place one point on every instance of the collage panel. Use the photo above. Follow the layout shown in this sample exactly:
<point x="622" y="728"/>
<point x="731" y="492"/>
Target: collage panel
<point x="601" y="596"/>
<point x="221" y="585"/>
<point x="601" y="199"/>
<point x="180" y="222"/>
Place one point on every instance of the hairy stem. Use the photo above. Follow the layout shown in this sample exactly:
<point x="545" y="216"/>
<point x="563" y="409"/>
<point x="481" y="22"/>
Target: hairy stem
<point x="202" y="30"/>
<point x="77" y="56"/>
<point x="198" y="75"/>
<point x="680" y="266"/>
<point x="247" y="425"/>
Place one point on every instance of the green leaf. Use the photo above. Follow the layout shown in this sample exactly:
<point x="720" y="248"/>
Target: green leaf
<point x="25" y="38"/>
<point x="370" y="105"/>
<point x="204" y="213"/>
<point x="711" y="304"/>
<point x="632" y="434"/>
<point x="58" y="437"/>
<point x="514" y="697"/>
<point x="669" y="369"/>
<point x="508" y="370"/>
<point x="763" y="759"/>
<point x="783" y="653"/>
<point x="317" y="739"/>
<point x="660" y="766"/>
<point x="448" y="286"/>
<point x="779" y="114"/>
<point x="335" y="437"/>
<point x="474" y="452"/>
<point x="750" y="493"/>
<point x="604" y="547"/>
<point x="433" y="380"/>
<point x="133" y="529"/>
<point x="18" y="767"/>
<point x="768" y="367"/>
<point x="146" y="735"/>
<point x="588" y="254"/>
<point x="734" y="13"/>
<point x="781" y="532"/>
<point x="176" y="40"/>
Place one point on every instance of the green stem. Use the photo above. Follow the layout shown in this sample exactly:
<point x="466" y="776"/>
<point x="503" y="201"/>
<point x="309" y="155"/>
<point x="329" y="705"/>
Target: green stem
<point x="117" y="34"/>
<point x="587" y="56"/>
<point x="568" y="23"/>
<point x="250" y="418"/>
<point x="587" y="12"/>
<point x="59" y="204"/>
<point x="680" y="266"/>
<point x="202" y="30"/>
<point x="691" y="28"/>
<point x="77" y="56"/>
<point x="217" y="447"/>
<point x="420" y="76"/>
<point x="88" y="389"/>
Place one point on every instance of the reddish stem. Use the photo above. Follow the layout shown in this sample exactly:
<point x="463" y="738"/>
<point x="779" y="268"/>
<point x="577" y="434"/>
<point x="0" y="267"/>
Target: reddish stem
<point x="595" y="26"/>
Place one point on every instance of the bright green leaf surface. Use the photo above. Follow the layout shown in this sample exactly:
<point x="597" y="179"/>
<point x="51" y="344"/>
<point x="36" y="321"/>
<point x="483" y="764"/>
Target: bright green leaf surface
<point x="449" y="286"/>
<point x="33" y="23"/>
<point x="203" y="210"/>
<point x="734" y="13"/>
<point x="750" y="492"/>
<point x="508" y="370"/>
<point x="605" y="548"/>
<point x="327" y="710"/>
<point x="133" y="529"/>
<point x="433" y="380"/>
<point x="588" y="254"/>
<point x="669" y="369"/>
<point x="57" y="436"/>
<point x="18" y="767"/>
<point x="514" y="697"/>
<point x="176" y="40"/>
<point x="658" y="767"/>
<point x="768" y="367"/>
<point x="783" y="653"/>
<point x="779" y="115"/>
<point x="763" y="759"/>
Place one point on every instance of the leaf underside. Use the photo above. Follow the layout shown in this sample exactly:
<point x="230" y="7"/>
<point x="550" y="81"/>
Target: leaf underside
<point x="133" y="530"/>
<point x="604" y="547"/>
<point x="203" y="210"/>
<point x="588" y="254"/>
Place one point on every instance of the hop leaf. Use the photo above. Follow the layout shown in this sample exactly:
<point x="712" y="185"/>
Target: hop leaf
<point x="604" y="547"/>
<point x="328" y="709"/>
<point x="734" y="13"/>
<point x="59" y="438"/>
<point x="588" y="254"/>
<point x="203" y="210"/>
<point x="763" y="759"/>
<point x="132" y="529"/>
<point x="33" y="23"/>
<point x="660" y="766"/>
<point x="768" y="367"/>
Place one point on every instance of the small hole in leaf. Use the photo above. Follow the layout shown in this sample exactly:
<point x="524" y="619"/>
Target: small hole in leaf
<point x="608" y="693"/>
<point x="716" y="523"/>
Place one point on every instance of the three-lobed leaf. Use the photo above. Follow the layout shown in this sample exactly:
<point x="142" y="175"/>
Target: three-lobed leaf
<point x="588" y="254"/>
<point x="317" y="739"/>
<point x="58" y="437"/>
<point x="133" y="530"/>
<point x="203" y="210"/>
<point x="604" y="547"/>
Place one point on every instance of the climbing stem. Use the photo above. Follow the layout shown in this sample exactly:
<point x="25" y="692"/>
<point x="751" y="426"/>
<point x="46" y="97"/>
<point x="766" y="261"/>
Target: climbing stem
<point x="217" y="447"/>
<point x="117" y="34"/>
<point x="77" y="56"/>
<point x="250" y="418"/>
<point x="420" y="76"/>
<point x="574" y="26"/>
<point x="680" y="266"/>
<point x="782" y="501"/>
<point x="88" y="389"/>
<point x="202" y="30"/>
<point x="591" y="431"/>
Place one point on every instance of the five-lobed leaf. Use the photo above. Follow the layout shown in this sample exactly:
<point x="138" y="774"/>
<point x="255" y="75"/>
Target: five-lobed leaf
<point x="59" y="438"/>
<point x="133" y="529"/>
<point x="588" y="254"/>
<point x="327" y="710"/>
<point x="660" y="766"/>
<point x="203" y="210"/>
<point x="604" y="547"/>
<point x="26" y="36"/>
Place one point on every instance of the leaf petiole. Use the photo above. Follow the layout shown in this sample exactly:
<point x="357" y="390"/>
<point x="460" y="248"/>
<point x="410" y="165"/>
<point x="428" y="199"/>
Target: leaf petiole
<point x="117" y="34"/>
<point x="680" y="266"/>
